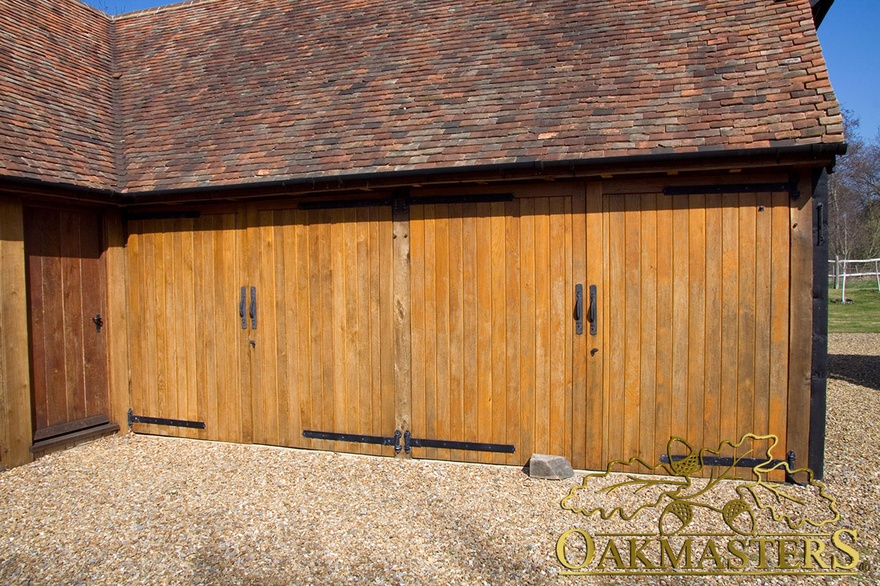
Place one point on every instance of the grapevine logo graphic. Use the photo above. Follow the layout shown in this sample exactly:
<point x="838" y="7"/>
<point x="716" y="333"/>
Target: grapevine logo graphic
<point x="699" y="519"/>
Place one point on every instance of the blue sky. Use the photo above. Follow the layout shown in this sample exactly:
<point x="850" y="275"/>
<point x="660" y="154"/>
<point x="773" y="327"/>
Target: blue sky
<point x="850" y="39"/>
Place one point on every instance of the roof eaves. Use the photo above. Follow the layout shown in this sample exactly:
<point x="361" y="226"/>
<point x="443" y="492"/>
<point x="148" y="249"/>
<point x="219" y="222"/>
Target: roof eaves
<point x="820" y="9"/>
<point x="822" y="153"/>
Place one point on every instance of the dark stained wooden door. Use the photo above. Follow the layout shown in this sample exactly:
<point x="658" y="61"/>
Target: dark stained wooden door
<point x="66" y="288"/>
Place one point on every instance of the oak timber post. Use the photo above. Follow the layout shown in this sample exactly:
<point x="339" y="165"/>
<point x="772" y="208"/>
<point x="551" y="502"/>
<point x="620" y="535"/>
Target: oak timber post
<point x="402" y="349"/>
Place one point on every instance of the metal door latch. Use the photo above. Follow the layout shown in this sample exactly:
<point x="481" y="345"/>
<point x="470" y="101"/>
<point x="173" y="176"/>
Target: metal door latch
<point x="99" y="323"/>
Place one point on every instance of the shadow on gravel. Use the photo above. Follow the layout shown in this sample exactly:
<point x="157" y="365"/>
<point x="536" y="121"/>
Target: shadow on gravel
<point x="858" y="369"/>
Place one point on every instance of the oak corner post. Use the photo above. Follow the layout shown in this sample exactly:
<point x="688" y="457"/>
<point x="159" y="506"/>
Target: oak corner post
<point x="117" y="318"/>
<point x="16" y="430"/>
<point x="819" y="370"/>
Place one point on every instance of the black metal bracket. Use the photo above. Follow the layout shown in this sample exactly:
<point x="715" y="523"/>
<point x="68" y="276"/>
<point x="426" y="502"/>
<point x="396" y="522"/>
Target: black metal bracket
<point x="253" y="308"/>
<point x="132" y="419"/>
<point x="410" y="442"/>
<point x="242" y="301"/>
<point x="98" y="321"/>
<point x="356" y="438"/>
<point x="727" y="461"/>
<point x="594" y="328"/>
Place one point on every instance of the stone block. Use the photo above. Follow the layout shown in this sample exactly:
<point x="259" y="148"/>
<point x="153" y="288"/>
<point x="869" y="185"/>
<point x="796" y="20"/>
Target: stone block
<point x="550" y="467"/>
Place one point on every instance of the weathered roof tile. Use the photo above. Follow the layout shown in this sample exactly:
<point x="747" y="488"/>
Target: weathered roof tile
<point x="219" y="92"/>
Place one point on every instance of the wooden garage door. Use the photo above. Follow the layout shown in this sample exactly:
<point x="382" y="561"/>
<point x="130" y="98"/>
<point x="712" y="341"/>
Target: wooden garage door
<point x="67" y="289"/>
<point x="495" y="356"/>
<point x="188" y="351"/>
<point x="312" y="355"/>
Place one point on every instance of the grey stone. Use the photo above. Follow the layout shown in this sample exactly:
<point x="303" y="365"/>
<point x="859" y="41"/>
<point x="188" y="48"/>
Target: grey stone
<point x="550" y="467"/>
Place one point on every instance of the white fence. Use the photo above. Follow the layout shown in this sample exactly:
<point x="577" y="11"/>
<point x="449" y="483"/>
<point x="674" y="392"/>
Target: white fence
<point x="841" y="269"/>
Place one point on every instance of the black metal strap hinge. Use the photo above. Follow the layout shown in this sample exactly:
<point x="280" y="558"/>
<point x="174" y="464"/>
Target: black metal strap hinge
<point x="132" y="419"/>
<point x="410" y="442"/>
<point x="727" y="461"/>
<point x="357" y="438"/>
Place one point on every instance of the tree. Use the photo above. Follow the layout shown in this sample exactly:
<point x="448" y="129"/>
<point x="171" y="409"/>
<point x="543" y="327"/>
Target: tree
<point x="854" y="197"/>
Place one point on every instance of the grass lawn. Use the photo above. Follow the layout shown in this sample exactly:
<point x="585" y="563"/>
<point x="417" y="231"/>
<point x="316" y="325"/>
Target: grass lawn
<point x="860" y="316"/>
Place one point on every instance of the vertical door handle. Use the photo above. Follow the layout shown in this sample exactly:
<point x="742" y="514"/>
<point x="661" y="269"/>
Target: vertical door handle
<point x="241" y="303"/>
<point x="253" y="311"/>
<point x="579" y="309"/>
<point x="592" y="317"/>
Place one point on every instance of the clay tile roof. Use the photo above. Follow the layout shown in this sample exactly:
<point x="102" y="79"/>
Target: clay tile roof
<point x="56" y="118"/>
<point x="224" y="92"/>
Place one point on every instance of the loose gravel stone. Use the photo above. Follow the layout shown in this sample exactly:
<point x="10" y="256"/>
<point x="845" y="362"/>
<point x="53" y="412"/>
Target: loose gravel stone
<point x="147" y="510"/>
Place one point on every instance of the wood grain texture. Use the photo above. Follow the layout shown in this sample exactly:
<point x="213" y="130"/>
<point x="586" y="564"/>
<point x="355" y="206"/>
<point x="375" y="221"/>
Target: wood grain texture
<point x="16" y="429"/>
<point x="67" y="291"/>
<point x="493" y="288"/>
<point x="801" y="322"/>
<point x="117" y="319"/>
<point x="713" y="318"/>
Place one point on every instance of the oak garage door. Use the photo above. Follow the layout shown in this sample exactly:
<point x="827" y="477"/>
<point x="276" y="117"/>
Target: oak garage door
<point x="264" y="323"/>
<point x="496" y="355"/>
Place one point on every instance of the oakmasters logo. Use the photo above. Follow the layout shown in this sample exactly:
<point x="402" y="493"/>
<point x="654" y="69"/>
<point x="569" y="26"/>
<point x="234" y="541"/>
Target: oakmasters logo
<point x="723" y="511"/>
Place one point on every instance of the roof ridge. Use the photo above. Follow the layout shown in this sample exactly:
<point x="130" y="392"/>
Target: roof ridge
<point x="91" y="8"/>
<point x="159" y="9"/>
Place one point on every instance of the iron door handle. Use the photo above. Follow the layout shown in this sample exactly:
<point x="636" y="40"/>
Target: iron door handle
<point x="579" y="309"/>
<point x="253" y="310"/>
<point x="241" y="303"/>
<point x="592" y="316"/>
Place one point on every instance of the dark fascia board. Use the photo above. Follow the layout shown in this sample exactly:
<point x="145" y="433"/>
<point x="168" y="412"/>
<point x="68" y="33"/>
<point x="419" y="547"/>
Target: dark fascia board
<point x="818" y="155"/>
<point x="820" y="9"/>
<point x="35" y="188"/>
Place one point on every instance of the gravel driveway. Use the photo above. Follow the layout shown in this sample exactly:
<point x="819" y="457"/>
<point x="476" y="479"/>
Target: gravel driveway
<point x="140" y="509"/>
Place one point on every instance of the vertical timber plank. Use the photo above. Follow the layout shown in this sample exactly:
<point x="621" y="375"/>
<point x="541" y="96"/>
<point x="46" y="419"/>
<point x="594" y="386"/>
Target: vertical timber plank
<point x="712" y="360"/>
<point x="527" y="333"/>
<point x="763" y="264"/>
<point x="632" y="356"/>
<point x="648" y="328"/>
<point x="418" y="319"/>
<point x="582" y="436"/>
<point x="729" y="315"/>
<point x="680" y="291"/>
<point x="666" y="239"/>
<point x="483" y="404"/>
<point x="470" y="326"/>
<point x="456" y="328"/>
<point x="540" y="402"/>
<point x="558" y="320"/>
<point x="15" y="393"/>
<point x="432" y="304"/>
<point x="498" y="307"/>
<point x="402" y="327"/>
<point x="780" y="301"/>
<point x="513" y="317"/>
<point x="696" y="318"/>
<point x="117" y="319"/>
<point x="801" y="322"/>
<point x="616" y="330"/>
<point x="589" y="217"/>
<point x="745" y="387"/>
